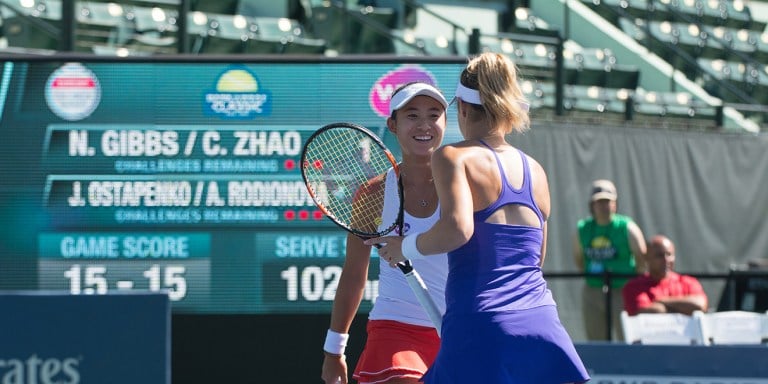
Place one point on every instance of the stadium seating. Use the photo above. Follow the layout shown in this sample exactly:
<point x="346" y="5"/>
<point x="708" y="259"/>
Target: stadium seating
<point x="101" y="23"/>
<point x="719" y="12"/>
<point x="412" y="45"/>
<point x="261" y="8"/>
<point x="586" y="98"/>
<point x="325" y="22"/>
<point x="224" y="7"/>
<point x="716" y="43"/>
<point x="375" y="24"/>
<point x="152" y="30"/>
<point x="111" y="50"/>
<point x="31" y="24"/>
<point x="304" y="46"/>
<point x="539" y="94"/>
<point x="692" y="35"/>
<point x="525" y="21"/>
<point x="444" y="29"/>
<point x="535" y="60"/>
<point x="761" y="52"/>
<point x="727" y="13"/>
<point x="197" y="31"/>
<point x="672" y="105"/>
<point x="598" y="67"/>
<point x="437" y="19"/>
<point x="613" y="10"/>
<point x="226" y="33"/>
<point x="735" y="81"/>
<point x="353" y="29"/>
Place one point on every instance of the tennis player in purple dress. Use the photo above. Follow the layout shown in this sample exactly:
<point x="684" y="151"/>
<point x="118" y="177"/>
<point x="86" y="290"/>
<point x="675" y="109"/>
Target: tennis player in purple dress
<point x="501" y="323"/>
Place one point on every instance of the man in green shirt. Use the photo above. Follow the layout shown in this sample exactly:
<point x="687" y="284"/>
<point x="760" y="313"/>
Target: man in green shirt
<point x="606" y="242"/>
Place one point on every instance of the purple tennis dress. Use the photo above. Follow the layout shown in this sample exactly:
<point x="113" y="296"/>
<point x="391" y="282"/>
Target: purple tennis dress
<point x="501" y="324"/>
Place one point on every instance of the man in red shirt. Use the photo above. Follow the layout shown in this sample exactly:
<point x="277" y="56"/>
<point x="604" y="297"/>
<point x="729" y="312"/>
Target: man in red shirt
<point x="661" y="289"/>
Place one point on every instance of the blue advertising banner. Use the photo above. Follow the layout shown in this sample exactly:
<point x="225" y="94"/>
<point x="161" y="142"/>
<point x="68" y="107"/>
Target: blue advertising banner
<point x="49" y="337"/>
<point x="611" y="363"/>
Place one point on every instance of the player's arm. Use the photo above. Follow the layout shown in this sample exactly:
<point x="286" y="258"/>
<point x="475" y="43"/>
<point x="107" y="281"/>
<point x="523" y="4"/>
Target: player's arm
<point x="543" y="201"/>
<point x="456" y="224"/>
<point x="349" y="293"/>
<point x="543" y="245"/>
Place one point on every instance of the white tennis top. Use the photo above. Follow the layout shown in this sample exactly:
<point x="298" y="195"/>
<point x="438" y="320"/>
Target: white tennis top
<point x="396" y="301"/>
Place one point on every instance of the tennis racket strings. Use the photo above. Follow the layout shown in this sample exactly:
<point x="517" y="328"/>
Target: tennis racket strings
<point x="345" y="171"/>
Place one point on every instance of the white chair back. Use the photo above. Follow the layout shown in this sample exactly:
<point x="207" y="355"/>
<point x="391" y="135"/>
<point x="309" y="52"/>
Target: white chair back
<point x="662" y="328"/>
<point x="735" y="327"/>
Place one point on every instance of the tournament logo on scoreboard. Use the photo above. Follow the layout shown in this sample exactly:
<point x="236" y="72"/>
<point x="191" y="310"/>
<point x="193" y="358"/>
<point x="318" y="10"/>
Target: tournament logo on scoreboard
<point x="237" y="96"/>
<point x="73" y="92"/>
<point x="382" y="89"/>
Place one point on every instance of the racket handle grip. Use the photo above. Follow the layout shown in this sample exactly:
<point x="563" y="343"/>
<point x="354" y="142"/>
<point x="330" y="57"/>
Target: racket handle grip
<point x="419" y="289"/>
<point x="405" y="266"/>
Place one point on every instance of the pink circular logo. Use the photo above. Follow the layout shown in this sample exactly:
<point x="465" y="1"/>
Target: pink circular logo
<point x="383" y="87"/>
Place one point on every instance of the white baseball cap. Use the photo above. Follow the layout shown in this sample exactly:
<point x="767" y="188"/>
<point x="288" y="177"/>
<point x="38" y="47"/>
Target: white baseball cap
<point x="402" y="97"/>
<point x="603" y="189"/>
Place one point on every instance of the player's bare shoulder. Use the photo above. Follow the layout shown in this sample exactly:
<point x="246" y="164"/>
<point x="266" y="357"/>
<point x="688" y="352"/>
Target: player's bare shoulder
<point x="447" y="153"/>
<point x="536" y="168"/>
<point x="453" y="152"/>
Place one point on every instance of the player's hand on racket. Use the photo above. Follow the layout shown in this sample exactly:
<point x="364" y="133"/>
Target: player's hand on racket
<point x="334" y="369"/>
<point x="390" y="248"/>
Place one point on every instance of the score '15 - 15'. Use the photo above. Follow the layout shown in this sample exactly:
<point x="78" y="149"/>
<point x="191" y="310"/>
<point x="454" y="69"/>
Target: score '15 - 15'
<point x="91" y="279"/>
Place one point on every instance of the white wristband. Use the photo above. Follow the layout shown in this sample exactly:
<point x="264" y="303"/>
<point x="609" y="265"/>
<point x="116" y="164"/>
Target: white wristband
<point x="409" y="249"/>
<point x="335" y="342"/>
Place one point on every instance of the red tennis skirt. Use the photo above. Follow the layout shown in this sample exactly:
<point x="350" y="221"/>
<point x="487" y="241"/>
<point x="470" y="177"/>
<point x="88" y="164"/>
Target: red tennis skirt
<point x="396" y="350"/>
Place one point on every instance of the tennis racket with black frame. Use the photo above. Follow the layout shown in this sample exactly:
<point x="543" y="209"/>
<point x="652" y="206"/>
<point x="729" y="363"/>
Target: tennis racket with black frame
<point x="344" y="166"/>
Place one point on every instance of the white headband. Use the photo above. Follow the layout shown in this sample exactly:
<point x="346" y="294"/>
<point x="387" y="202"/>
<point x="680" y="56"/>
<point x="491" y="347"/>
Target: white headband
<point x="401" y="98"/>
<point x="469" y="95"/>
<point x="472" y="96"/>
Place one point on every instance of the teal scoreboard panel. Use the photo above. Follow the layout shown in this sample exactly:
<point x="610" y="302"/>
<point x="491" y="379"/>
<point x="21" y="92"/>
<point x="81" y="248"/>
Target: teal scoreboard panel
<point x="182" y="177"/>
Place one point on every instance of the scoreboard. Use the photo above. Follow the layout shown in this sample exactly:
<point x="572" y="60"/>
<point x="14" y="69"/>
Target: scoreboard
<point x="181" y="177"/>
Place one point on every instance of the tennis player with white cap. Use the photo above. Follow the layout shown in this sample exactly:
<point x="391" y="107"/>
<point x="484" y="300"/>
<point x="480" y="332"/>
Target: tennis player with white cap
<point x="402" y="341"/>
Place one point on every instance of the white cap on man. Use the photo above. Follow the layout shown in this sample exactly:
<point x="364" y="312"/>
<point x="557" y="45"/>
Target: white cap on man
<point x="402" y="97"/>
<point x="603" y="190"/>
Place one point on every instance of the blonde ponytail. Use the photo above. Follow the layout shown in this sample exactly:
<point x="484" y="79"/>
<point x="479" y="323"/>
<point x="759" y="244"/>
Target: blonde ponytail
<point x="495" y="77"/>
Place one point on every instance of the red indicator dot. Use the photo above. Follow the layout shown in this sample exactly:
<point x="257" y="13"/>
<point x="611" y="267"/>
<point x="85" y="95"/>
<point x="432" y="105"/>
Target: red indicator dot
<point x="289" y="215"/>
<point x="303" y="215"/>
<point x="318" y="164"/>
<point x="317" y="215"/>
<point x="289" y="164"/>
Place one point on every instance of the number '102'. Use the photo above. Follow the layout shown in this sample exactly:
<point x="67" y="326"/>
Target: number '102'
<point x="315" y="283"/>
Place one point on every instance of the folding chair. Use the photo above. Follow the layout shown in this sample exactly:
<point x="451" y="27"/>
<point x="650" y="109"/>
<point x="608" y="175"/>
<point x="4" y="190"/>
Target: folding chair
<point x="662" y="328"/>
<point x="735" y="327"/>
